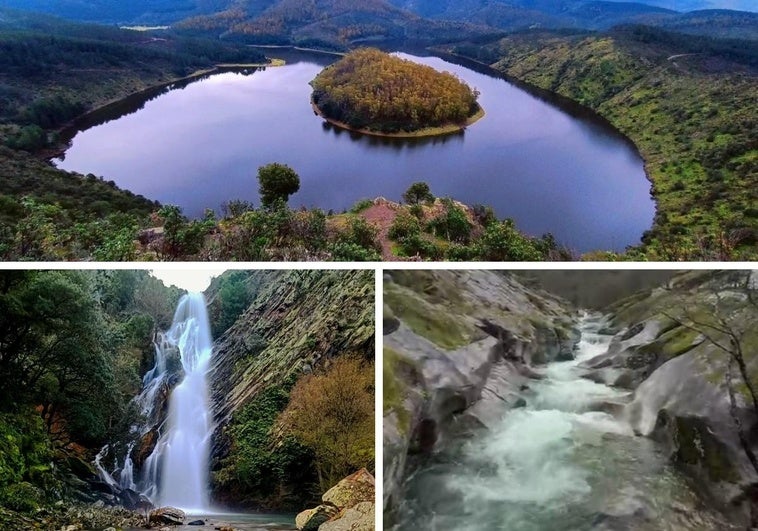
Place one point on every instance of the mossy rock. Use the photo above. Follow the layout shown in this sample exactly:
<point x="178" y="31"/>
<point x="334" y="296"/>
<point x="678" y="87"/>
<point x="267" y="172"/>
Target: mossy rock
<point x="672" y="343"/>
<point x="354" y="489"/>
<point x="434" y="287"/>
<point x="398" y="373"/>
<point x="698" y="447"/>
<point x="311" y="519"/>
<point x="390" y="323"/>
<point x="432" y="321"/>
<point x="81" y="468"/>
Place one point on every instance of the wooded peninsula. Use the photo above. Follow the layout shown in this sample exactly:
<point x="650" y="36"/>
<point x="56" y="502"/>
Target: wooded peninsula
<point x="377" y="93"/>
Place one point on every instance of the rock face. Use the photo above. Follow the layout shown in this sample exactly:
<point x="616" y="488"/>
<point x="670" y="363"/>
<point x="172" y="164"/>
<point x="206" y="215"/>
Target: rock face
<point x="458" y="354"/>
<point x="349" y="505"/>
<point x="296" y="321"/>
<point x="682" y="379"/>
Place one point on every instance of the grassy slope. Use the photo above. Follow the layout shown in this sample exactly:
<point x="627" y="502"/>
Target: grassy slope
<point x="692" y="119"/>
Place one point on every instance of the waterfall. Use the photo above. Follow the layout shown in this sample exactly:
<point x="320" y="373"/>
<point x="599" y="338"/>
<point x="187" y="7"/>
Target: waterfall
<point x="177" y="471"/>
<point x="104" y="473"/>
<point x="126" y="480"/>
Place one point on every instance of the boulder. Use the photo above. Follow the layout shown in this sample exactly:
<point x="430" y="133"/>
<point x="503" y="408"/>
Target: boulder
<point x="684" y="405"/>
<point x="129" y="498"/>
<point x="352" y="490"/>
<point x="358" y="518"/>
<point x="311" y="519"/>
<point x="196" y="522"/>
<point x="167" y="515"/>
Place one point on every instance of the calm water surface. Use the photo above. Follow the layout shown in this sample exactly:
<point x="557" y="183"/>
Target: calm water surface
<point x="200" y="144"/>
<point x="241" y="521"/>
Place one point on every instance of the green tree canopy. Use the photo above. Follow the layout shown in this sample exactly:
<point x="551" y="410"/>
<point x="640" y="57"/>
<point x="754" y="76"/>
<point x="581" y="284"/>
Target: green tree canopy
<point x="277" y="183"/>
<point x="417" y="193"/>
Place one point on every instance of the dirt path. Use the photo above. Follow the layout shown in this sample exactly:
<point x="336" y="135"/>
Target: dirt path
<point x="381" y="215"/>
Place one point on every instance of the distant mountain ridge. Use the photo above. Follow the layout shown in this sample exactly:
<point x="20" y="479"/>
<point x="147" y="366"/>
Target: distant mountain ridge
<point x="385" y="14"/>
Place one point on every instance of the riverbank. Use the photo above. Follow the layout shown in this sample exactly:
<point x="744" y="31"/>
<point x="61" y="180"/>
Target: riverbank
<point x="420" y="133"/>
<point x="681" y="117"/>
<point x="72" y="517"/>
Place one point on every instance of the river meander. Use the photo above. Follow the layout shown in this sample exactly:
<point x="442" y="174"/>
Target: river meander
<point x="550" y="166"/>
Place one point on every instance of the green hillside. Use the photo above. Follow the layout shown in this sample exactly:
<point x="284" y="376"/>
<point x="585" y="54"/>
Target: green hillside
<point x="688" y="105"/>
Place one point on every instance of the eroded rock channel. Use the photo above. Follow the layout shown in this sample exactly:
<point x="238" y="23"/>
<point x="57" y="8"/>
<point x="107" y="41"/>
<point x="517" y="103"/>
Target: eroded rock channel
<point x="510" y="408"/>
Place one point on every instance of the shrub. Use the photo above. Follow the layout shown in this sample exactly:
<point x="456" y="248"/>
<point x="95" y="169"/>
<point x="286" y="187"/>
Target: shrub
<point x="23" y="497"/>
<point x="361" y="205"/>
<point x="417" y="244"/>
<point x="352" y="252"/>
<point x="357" y="242"/>
<point x="484" y="215"/>
<point x="417" y="211"/>
<point x="309" y="228"/>
<point x="452" y="224"/>
<point x="182" y="237"/>
<point x="502" y="242"/>
<point x="236" y="207"/>
<point x="404" y="225"/>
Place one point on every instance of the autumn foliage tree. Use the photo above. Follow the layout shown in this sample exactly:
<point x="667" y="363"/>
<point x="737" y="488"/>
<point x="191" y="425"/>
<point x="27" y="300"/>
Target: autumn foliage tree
<point x="370" y="89"/>
<point x="332" y="413"/>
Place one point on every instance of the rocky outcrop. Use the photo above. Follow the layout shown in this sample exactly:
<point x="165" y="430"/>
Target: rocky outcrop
<point x="297" y="320"/>
<point x="349" y="505"/>
<point x="674" y="351"/>
<point x="460" y="345"/>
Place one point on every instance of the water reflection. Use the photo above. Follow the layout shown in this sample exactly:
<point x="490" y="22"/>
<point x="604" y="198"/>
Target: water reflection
<point x="552" y="167"/>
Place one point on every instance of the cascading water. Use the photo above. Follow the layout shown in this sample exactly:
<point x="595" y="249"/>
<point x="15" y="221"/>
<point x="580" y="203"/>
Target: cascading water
<point x="556" y="464"/>
<point x="176" y="472"/>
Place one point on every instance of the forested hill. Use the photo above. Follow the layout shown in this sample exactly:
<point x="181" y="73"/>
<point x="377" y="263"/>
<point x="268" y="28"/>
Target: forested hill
<point x="326" y="23"/>
<point x="338" y="23"/>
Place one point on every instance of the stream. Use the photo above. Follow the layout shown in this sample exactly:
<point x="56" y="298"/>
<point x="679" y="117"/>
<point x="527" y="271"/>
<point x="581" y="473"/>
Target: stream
<point x="556" y="465"/>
